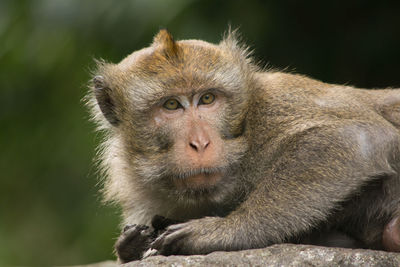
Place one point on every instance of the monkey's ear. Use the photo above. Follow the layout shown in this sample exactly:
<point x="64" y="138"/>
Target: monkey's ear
<point x="104" y="100"/>
<point x="166" y="41"/>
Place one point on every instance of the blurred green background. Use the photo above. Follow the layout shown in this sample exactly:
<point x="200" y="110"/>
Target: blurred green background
<point x="50" y="209"/>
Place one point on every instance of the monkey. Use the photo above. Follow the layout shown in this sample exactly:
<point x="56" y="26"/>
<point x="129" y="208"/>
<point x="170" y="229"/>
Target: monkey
<point x="237" y="156"/>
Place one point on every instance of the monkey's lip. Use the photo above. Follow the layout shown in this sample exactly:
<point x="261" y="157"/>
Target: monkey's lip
<point x="198" y="181"/>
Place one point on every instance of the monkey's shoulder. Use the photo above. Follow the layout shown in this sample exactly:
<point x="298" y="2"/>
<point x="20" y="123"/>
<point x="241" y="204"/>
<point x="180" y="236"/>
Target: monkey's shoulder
<point x="299" y="92"/>
<point x="277" y="79"/>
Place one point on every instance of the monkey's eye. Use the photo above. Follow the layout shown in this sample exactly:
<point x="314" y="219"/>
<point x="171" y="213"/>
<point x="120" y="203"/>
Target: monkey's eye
<point x="171" y="104"/>
<point x="206" y="99"/>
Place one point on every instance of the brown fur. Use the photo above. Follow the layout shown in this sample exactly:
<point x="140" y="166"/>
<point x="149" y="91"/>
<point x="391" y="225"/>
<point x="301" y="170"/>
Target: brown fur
<point x="297" y="156"/>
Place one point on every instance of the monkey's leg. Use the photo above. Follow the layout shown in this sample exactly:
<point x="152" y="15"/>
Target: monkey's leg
<point x="391" y="235"/>
<point x="300" y="190"/>
<point x="370" y="215"/>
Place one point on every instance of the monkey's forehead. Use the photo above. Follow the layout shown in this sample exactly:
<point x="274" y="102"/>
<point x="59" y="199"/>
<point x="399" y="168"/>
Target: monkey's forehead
<point x="190" y="53"/>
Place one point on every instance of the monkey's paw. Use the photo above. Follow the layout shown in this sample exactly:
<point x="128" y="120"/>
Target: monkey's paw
<point x="134" y="240"/>
<point x="199" y="236"/>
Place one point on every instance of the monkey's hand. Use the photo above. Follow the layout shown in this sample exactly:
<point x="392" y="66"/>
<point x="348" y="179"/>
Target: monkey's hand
<point x="134" y="240"/>
<point x="199" y="236"/>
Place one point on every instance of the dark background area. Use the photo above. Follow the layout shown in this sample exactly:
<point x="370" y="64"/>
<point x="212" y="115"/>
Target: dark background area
<point x="50" y="208"/>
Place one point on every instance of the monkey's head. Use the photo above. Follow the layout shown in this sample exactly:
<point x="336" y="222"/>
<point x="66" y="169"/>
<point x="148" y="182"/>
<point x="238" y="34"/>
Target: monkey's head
<point x="175" y="115"/>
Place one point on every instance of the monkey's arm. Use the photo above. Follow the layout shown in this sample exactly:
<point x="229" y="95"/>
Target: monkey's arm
<point x="305" y="185"/>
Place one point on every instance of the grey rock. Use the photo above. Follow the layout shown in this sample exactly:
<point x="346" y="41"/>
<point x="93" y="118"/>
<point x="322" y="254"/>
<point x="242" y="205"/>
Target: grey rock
<point x="99" y="264"/>
<point x="277" y="255"/>
<point x="280" y="255"/>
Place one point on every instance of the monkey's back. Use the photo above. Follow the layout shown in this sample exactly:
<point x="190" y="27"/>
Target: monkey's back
<point x="301" y="98"/>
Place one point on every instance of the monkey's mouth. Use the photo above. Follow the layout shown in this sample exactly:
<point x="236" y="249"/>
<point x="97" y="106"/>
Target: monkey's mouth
<point x="197" y="180"/>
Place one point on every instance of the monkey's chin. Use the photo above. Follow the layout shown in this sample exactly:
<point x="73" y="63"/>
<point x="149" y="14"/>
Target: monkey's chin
<point x="198" y="181"/>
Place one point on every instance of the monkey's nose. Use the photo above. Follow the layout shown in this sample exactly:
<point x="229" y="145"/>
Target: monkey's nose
<point x="199" y="145"/>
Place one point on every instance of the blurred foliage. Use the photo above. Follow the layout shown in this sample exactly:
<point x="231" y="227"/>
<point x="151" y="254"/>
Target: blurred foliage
<point x="50" y="210"/>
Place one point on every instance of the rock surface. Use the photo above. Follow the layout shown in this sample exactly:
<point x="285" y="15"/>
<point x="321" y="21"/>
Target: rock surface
<point x="276" y="255"/>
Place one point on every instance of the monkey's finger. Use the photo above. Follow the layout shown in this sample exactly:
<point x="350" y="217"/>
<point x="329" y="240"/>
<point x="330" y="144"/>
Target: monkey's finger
<point x="132" y="233"/>
<point x="157" y="244"/>
<point x="127" y="227"/>
<point x="150" y="252"/>
<point x="133" y="242"/>
<point x="169" y="243"/>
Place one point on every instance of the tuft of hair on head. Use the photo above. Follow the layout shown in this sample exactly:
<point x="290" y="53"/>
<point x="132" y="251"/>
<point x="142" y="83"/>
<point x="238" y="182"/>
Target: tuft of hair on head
<point x="233" y="40"/>
<point x="165" y="40"/>
<point x="241" y="53"/>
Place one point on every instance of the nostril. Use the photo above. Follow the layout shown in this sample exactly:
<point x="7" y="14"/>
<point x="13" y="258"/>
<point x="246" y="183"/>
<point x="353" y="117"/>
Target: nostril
<point x="199" y="147"/>
<point x="206" y="145"/>
<point x="194" y="146"/>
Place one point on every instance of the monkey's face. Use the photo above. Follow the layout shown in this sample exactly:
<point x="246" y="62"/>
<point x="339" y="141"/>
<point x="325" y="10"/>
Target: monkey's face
<point x="191" y="125"/>
<point x="178" y="108"/>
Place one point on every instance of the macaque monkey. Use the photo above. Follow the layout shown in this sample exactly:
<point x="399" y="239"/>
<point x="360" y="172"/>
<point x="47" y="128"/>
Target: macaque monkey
<point x="205" y="151"/>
